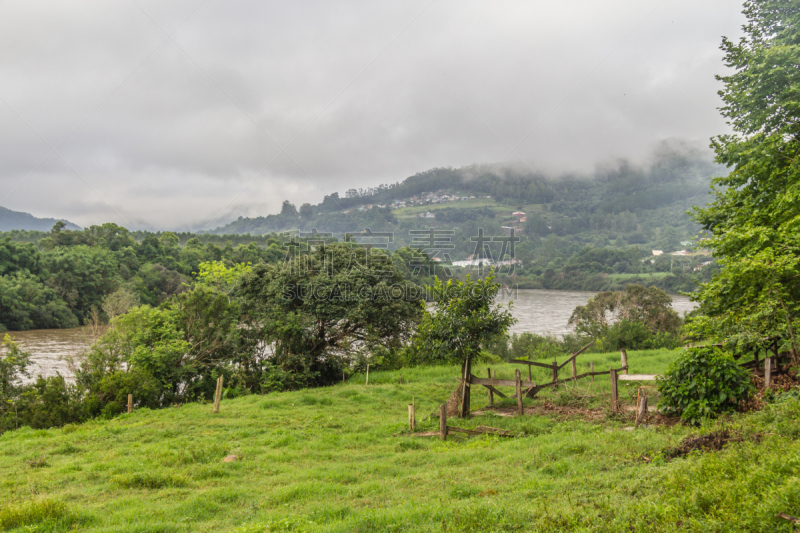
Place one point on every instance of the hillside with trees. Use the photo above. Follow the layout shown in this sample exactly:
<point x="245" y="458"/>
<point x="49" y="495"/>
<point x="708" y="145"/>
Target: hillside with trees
<point x="17" y="220"/>
<point x="593" y="232"/>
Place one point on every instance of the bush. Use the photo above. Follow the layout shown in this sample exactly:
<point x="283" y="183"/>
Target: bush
<point x="533" y="346"/>
<point x="703" y="383"/>
<point x="108" y="396"/>
<point x="50" y="402"/>
<point x="635" y="335"/>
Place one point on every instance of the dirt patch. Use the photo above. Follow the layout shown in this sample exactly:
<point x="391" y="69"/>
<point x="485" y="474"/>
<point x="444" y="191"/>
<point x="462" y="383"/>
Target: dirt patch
<point x="564" y="412"/>
<point x="710" y="442"/>
<point x="782" y="379"/>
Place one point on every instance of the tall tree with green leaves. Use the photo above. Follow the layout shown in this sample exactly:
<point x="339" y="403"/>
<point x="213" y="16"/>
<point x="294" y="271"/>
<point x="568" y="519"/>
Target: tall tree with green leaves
<point x="463" y="319"/>
<point x="754" y="219"/>
<point x="329" y="307"/>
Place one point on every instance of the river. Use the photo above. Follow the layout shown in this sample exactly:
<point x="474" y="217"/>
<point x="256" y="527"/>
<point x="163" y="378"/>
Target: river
<point x="536" y="311"/>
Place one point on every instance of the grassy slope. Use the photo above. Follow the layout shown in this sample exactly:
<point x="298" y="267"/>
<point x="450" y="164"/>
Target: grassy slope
<point x="326" y="460"/>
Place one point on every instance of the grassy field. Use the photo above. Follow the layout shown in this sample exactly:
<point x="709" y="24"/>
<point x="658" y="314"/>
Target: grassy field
<point x="460" y="204"/>
<point x="337" y="459"/>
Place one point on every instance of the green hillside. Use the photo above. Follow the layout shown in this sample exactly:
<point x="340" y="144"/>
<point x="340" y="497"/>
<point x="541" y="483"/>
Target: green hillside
<point x="16" y="220"/>
<point x="338" y="459"/>
<point x="622" y="206"/>
<point x="618" y="216"/>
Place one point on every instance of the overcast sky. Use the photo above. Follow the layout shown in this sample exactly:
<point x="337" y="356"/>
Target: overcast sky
<point x="187" y="114"/>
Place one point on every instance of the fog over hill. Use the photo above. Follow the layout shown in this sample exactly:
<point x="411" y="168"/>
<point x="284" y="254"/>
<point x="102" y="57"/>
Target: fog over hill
<point x="186" y="114"/>
<point x="657" y="193"/>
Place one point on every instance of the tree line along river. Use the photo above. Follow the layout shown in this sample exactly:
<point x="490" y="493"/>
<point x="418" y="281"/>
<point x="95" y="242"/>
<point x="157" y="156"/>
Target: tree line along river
<point x="536" y="311"/>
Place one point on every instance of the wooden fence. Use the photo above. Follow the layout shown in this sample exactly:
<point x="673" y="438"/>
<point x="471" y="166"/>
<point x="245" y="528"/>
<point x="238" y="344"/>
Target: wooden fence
<point x="529" y="388"/>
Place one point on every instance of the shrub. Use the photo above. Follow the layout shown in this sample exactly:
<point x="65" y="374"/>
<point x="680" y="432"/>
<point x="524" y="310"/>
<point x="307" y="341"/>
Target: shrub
<point x="635" y="335"/>
<point x="108" y="396"/>
<point x="50" y="402"/>
<point x="533" y="346"/>
<point x="703" y="383"/>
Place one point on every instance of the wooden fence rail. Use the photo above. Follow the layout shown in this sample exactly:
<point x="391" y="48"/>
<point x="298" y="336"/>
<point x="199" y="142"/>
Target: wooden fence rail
<point x="615" y="377"/>
<point x="528" y="388"/>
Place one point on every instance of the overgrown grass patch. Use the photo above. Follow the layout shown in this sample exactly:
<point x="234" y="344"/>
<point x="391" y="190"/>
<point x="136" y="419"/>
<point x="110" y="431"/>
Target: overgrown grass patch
<point x="42" y="514"/>
<point x="327" y="460"/>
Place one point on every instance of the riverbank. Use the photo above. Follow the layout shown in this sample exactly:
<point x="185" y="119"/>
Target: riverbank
<point x="338" y="459"/>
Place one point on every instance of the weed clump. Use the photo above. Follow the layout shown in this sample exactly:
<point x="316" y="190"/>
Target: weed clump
<point x="149" y="480"/>
<point x="36" y="512"/>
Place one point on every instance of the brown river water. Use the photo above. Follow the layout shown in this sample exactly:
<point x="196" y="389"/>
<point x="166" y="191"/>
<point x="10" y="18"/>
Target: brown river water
<point x="536" y="311"/>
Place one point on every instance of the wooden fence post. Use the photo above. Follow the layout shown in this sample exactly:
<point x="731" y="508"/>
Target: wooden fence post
<point x="623" y="355"/>
<point x="642" y="410"/>
<point x="574" y="369"/>
<point x="591" y="369"/>
<point x="491" y="394"/>
<point x="519" y="393"/>
<point x="613" y="377"/>
<point x="443" y="421"/>
<point x="367" y="382"/>
<point x="555" y="373"/>
<point x="465" y="388"/>
<point x="130" y="403"/>
<point x="218" y="395"/>
<point x="412" y="417"/>
<point x="768" y="371"/>
<point x="530" y="374"/>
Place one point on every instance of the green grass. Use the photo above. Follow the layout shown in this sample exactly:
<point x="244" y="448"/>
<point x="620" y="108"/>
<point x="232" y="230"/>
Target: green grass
<point x="459" y="204"/>
<point x="327" y="460"/>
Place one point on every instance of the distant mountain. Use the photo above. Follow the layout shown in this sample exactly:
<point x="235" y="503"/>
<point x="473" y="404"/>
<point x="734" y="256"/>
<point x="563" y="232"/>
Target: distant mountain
<point x="622" y="205"/>
<point x="10" y="220"/>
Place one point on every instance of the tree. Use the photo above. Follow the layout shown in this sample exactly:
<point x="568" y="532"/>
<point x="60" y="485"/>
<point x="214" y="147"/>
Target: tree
<point x="648" y="305"/>
<point x="118" y="303"/>
<point x="25" y="303"/>
<point x="463" y="320"/>
<point x="183" y="345"/>
<point x="15" y="257"/>
<point x="636" y="318"/>
<point x="82" y="276"/>
<point x="323" y="309"/>
<point x="14" y="365"/>
<point x="754" y="220"/>
<point x="307" y="211"/>
<point x="288" y="209"/>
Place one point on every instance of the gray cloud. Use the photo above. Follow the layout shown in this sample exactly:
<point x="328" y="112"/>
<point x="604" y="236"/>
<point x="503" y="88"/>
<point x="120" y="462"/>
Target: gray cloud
<point x="163" y="134"/>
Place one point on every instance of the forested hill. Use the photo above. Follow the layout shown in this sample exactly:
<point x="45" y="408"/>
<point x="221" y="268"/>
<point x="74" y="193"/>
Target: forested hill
<point x="17" y="220"/>
<point x="622" y="205"/>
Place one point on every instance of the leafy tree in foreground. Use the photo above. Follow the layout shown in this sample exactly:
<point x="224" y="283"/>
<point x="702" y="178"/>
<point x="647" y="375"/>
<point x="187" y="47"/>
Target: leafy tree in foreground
<point x="327" y="308"/>
<point x="464" y="319"/>
<point x="754" y="220"/>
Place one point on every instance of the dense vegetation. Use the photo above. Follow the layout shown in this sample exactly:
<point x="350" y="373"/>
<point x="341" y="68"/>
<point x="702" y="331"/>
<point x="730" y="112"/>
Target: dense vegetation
<point x="70" y="277"/>
<point x="754" y="218"/>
